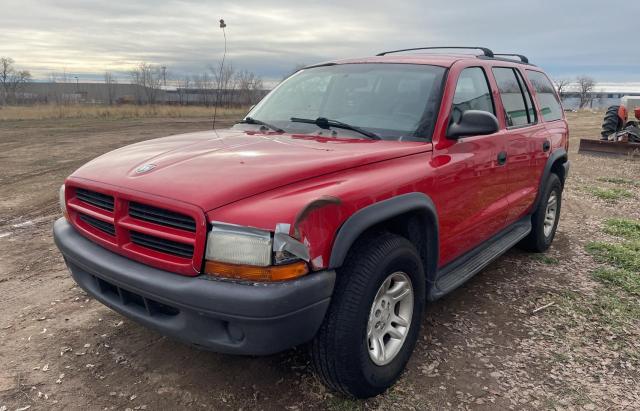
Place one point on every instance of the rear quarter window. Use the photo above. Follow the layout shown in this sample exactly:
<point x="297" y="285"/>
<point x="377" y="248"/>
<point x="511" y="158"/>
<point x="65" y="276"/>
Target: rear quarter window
<point x="515" y="97"/>
<point x="548" y="101"/>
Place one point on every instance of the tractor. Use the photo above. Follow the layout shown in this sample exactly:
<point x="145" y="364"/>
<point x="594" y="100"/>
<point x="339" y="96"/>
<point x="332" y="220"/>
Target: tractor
<point x="617" y="126"/>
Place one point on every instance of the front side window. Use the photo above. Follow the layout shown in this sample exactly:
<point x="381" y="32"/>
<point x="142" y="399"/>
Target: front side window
<point x="515" y="96"/>
<point x="550" y="107"/>
<point x="391" y="100"/>
<point x="472" y="93"/>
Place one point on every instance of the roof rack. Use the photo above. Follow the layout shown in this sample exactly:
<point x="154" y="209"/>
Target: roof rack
<point x="522" y="58"/>
<point x="487" y="52"/>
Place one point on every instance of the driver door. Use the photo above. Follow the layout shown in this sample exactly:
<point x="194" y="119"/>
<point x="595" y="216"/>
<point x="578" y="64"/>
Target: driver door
<point x="471" y="184"/>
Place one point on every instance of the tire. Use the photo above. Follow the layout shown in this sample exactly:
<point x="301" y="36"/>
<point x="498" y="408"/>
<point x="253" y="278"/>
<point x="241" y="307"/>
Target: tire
<point x="539" y="239"/>
<point x="612" y="122"/>
<point x="340" y="350"/>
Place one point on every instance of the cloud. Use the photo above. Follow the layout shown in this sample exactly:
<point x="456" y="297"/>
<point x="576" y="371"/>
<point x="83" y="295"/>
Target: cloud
<point x="566" y="37"/>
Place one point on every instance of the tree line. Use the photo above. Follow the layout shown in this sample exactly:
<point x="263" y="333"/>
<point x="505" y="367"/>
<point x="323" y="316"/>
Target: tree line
<point x="584" y="89"/>
<point x="224" y="86"/>
<point x="218" y="85"/>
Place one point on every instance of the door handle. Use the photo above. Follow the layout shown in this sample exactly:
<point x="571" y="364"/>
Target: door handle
<point x="546" y="145"/>
<point x="502" y="158"/>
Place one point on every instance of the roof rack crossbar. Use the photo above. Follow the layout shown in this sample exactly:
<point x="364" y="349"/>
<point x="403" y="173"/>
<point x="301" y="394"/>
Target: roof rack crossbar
<point x="522" y="58"/>
<point x="487" y="52"/>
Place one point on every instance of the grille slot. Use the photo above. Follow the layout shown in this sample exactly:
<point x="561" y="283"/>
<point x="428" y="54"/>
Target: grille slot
<point x="95" y="199"/>
<point x="152" y="307"/>
<point x="99" y="224"/>
<point x="161" y="216"/>
<point x="162" y="245"/>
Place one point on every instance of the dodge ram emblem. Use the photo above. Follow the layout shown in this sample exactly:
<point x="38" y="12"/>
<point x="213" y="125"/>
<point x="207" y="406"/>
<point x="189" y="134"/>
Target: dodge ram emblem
<point x="145" y="168"/>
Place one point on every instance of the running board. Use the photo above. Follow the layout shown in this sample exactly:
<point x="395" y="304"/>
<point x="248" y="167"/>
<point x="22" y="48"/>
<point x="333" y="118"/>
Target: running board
<point x="463" y="268"/>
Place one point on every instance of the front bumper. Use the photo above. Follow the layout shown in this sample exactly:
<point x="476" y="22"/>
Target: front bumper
<point x="223" y="316"/>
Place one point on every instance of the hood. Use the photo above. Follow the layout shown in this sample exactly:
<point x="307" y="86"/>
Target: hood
<point x="213" y="168"/>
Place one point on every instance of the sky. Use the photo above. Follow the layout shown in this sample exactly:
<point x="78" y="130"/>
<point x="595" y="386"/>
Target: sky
<point x="86" y="38"/>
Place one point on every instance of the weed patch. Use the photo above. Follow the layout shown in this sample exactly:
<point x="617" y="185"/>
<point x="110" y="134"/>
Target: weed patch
<point x="546" y="259"/>
<point x="609" y="194"/>
<point x="624" y="279"/>
<point x="619" y="181"/>
<point x="628" y="229"/>
<point x="625" y="256"/>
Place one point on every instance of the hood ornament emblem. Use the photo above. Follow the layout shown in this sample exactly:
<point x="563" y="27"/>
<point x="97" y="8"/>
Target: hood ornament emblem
<point x="145" y="168"/>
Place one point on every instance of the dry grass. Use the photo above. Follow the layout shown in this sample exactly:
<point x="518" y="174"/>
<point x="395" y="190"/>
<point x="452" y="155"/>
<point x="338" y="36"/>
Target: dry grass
<point x="50" y="111"/>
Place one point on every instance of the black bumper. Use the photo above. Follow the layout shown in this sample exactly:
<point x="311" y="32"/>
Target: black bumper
<point x="223" y="316"/>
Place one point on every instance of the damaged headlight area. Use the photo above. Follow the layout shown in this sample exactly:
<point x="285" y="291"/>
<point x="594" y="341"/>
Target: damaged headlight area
<point x="256" y="255"/>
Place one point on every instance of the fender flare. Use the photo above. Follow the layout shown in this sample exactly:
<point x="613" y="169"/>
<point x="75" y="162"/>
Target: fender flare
<point x="381" y="211"/>
<point x="558" y="154"/>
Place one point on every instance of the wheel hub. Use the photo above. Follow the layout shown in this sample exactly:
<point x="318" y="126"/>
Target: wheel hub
<point x="390" y="318"/>
<point x="550" y="214"/>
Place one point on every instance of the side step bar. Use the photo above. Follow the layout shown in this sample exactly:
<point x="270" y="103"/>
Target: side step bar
<point x="463" y="268"/>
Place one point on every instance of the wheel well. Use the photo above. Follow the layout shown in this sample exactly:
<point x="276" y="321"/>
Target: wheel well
<point x="558" y="169"/>
<point x="417" y="227"/>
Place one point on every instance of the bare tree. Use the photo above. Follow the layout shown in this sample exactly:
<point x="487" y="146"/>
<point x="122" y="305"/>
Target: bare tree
<point x="183" y="90"/>
<point x="148" y="79"/>
<point x="249" y="88"/>
<point x="586" y="86"/>
<point x="204" y="83"/>
<point x="225" y="82"/>
<point x="561" y="87"/>
<point x="12" y="80"/>
<point x="111" y="85"/>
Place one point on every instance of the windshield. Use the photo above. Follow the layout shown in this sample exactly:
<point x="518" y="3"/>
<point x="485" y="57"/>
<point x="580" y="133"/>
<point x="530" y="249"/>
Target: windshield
<point x="393" y="101"/>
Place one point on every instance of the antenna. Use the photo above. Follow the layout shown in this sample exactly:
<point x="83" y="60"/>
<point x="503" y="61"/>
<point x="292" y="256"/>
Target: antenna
<point x="224" y="55"/>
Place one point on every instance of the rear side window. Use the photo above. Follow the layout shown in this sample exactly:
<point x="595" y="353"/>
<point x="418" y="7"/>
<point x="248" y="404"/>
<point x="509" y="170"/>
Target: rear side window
<point x="516" y="99"/>
<point x="472" y="93"/>
<point x="550" y="107"/>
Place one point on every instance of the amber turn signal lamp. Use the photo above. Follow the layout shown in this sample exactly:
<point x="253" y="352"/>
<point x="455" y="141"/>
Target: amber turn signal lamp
<point x="253" y="273"/>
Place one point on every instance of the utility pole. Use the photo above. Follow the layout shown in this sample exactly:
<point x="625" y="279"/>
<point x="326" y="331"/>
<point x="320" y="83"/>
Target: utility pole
<point x="164" y="75"/>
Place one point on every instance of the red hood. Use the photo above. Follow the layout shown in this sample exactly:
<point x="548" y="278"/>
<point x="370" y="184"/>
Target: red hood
<point x="213" y="168"/>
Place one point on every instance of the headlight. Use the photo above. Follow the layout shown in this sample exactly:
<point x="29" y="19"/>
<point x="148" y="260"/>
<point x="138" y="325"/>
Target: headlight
<point x="62" y="200"/>
<point x="249" y="254"/>
<point x="239" y="245"/>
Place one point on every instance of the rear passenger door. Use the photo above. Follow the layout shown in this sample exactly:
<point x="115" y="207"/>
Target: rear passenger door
<point x="526" y="144"/>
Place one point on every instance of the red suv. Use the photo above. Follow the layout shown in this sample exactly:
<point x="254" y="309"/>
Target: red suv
<point x="353" y="193"/>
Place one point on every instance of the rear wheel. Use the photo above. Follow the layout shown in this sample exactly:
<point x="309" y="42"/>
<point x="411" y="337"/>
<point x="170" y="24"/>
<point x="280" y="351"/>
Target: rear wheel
<point x="544" y="220"/>
<point x="612" y="122"/>
<point x="374" y="319"/>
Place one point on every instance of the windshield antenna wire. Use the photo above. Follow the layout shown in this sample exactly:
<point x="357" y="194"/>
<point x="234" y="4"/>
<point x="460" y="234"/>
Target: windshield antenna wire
<point x="219" y="91"/>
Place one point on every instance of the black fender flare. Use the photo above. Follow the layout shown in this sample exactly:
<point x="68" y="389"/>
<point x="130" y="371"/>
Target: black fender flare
<point x="558" y="154"/>
<point x="376" y="213"/>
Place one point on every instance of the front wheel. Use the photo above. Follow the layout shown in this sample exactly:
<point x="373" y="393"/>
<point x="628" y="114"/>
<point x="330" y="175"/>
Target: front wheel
<point x="374" y="318"/>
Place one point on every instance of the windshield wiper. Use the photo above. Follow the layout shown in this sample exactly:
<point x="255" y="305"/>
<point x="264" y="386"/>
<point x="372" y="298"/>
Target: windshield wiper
<point x="326" y="123"/>
<point x="251" y="120"/>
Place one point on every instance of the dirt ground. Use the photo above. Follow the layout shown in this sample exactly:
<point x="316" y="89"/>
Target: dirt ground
<point x="482" y="347"/>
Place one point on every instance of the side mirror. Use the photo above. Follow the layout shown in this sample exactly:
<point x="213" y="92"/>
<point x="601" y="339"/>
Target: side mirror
<point x="473" y="123"/>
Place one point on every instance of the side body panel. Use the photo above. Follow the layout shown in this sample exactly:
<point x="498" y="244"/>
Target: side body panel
<point x="525" y="161"/>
